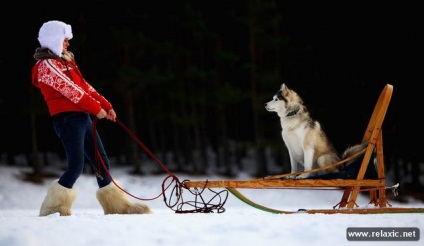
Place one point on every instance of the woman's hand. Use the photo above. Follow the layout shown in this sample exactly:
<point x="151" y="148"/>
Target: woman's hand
<point x="101" y="114"/>
<point x="111" y="115"/>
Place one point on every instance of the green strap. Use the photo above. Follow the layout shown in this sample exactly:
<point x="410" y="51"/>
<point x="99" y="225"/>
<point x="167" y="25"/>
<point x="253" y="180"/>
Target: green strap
<point x="376" y="210"/>
<point x="246" y="200"/>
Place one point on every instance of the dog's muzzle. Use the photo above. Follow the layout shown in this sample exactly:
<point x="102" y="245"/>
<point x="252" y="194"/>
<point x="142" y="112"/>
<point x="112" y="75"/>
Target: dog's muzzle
<point x="267" y="108"/>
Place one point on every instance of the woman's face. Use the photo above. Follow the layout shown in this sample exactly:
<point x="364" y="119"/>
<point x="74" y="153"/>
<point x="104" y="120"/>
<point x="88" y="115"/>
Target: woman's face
<point x="65" y="45"/>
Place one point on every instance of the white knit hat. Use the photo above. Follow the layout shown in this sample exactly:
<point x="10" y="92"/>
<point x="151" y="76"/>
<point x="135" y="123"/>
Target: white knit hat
<point x="52" y="34"/>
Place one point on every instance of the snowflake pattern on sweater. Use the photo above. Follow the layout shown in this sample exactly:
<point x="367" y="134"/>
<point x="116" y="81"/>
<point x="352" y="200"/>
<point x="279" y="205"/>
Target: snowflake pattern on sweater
<point x="50" y="75"/>
<point x="64" y="89"/>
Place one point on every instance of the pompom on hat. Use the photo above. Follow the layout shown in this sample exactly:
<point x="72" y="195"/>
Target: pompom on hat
<point x="52" y="34"/>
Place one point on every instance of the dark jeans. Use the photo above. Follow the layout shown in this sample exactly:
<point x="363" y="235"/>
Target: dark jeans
<point x="75" y="131"/>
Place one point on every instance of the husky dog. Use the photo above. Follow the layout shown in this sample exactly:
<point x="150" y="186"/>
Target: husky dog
<point x="306" y="142"/>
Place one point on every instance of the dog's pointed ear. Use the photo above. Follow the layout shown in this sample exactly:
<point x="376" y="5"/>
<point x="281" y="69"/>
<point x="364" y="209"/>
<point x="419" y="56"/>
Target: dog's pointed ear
<point x="284" y="89"/>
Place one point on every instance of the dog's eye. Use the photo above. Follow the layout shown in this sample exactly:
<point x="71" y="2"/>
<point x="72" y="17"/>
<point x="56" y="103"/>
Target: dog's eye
<point x="278" y="96"/>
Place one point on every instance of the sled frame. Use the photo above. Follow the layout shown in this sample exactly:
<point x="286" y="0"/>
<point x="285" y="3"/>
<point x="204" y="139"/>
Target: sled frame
<point x="377" y="187"/>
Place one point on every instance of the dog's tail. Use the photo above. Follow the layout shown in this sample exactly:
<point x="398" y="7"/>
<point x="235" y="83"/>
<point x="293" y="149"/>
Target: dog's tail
<point x="354" y="149"/>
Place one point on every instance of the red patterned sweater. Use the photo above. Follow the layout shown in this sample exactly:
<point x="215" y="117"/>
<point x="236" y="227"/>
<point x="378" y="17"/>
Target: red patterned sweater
<point x="64" y="89"/>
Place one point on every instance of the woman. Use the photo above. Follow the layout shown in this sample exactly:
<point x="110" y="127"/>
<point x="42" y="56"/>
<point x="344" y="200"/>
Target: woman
<point x="72" y="101"/>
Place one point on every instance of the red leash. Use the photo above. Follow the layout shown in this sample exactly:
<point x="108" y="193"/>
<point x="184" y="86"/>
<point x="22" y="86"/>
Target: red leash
<point x="175" y="201"/>
<point x="100" y="162"/>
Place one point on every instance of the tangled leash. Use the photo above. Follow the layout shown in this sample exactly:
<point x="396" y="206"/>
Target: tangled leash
<point x="175" y="199"/>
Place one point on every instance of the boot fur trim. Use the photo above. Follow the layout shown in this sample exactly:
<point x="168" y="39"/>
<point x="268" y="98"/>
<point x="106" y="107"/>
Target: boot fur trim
<point x="115" y="201"/>
<point x="59" y="199"/>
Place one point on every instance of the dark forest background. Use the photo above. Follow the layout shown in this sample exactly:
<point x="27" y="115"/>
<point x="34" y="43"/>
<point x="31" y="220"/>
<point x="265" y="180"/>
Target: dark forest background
<point x="190" y="79"/>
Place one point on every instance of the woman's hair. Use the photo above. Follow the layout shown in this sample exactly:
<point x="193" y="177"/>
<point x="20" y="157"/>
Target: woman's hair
<point x="68" y="56"/>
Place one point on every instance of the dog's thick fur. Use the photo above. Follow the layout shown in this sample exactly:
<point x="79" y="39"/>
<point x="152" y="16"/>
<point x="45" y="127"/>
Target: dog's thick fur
<point x="306" y="142"/>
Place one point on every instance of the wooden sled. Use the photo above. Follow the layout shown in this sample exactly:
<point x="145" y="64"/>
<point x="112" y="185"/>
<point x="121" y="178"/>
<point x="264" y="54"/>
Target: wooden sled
<point x="376" y="186"/>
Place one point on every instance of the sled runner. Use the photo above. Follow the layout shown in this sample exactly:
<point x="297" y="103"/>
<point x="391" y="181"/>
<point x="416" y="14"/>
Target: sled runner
<point x="361" y="171"/>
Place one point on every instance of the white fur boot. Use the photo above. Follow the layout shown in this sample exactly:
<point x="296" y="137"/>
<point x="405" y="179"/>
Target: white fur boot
<point x="115" y="201"/>
<point x="59" y="199"/>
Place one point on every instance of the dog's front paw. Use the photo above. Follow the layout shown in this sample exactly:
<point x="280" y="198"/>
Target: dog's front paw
<point x="288" y="177"/>
<point x="302" y="176"/>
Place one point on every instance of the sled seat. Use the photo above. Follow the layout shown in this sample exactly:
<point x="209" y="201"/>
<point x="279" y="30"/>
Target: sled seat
<point x="373" y="153"/>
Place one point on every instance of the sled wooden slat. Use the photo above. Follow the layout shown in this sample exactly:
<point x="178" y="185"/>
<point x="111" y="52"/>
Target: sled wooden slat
<point x="266" y="183"/>
<point x="385" y="210"/>
<point x="373" y="135"/>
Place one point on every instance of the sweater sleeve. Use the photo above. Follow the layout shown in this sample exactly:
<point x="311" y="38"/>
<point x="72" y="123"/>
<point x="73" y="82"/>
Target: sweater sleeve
<point x="103" y="101"/>
<point x="51" y="73"/>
